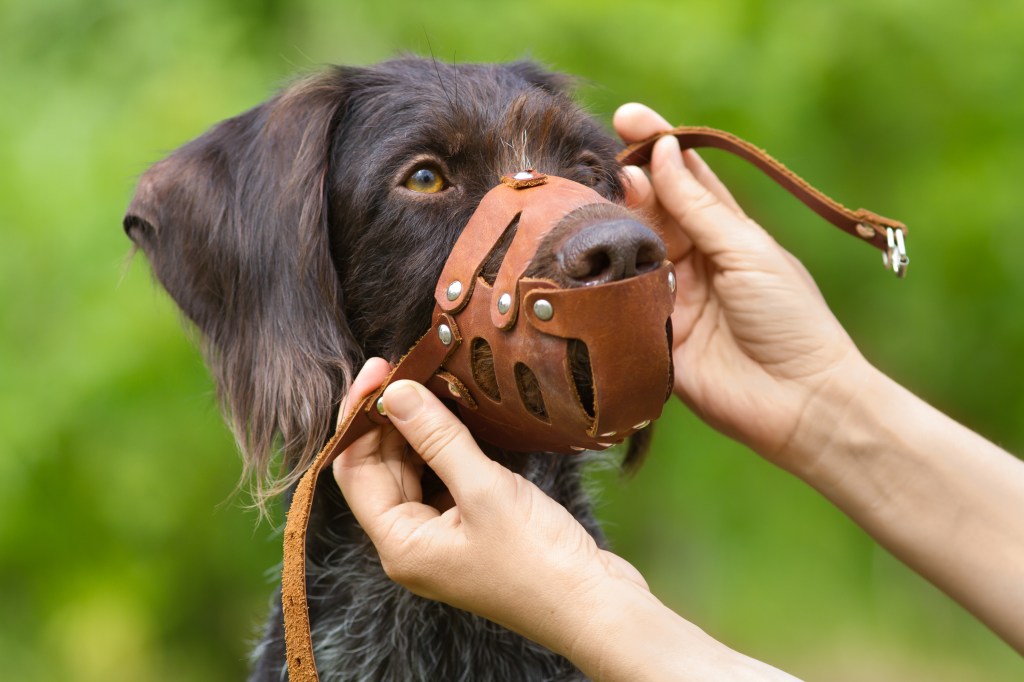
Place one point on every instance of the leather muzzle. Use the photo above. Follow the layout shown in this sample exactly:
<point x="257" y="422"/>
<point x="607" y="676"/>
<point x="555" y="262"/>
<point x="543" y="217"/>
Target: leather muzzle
<point x="515" y="373"/>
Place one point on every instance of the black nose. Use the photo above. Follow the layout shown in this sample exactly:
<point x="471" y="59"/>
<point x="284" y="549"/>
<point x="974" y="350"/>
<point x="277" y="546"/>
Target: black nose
<point x="610" y="250"/>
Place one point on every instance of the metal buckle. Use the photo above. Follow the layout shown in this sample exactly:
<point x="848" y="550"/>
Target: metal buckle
<point x="896" y="257"/>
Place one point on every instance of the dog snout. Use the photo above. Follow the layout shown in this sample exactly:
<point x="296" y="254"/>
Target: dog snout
<point x="610" y="250"/>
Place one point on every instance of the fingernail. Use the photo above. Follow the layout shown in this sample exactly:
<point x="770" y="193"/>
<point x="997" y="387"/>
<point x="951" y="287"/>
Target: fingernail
<point x="402" y="401"/>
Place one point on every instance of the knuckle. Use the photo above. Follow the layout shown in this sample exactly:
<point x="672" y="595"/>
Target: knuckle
<point x="412" y="574"/>
<point x="397" y="570"/>
<point x="399" y="563"/>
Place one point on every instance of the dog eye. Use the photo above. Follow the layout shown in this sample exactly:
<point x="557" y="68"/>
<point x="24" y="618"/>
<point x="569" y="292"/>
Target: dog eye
<point x="426" y="180"/>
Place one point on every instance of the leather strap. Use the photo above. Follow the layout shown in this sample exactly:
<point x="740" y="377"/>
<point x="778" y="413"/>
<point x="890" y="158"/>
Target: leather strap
<point x="419" y="364"/>
<point x="862" y="223"/>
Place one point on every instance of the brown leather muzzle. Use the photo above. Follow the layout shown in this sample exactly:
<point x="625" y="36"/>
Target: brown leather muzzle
<point x="512" y="369"/>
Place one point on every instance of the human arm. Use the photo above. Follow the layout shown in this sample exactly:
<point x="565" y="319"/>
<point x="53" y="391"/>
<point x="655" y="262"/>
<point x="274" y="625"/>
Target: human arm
<point x="760" y="357"/>
<point x="508" y="552"/>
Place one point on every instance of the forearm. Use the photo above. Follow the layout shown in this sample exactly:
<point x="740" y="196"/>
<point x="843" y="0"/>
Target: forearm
<point x="631" y="636"/>
<point x="942" y="499"/>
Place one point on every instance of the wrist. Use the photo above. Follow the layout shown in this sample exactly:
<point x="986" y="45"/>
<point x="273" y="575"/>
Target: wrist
<point x="628" y="634"/>
<point x="834" y="415"/>
<point x="854" y="448"/>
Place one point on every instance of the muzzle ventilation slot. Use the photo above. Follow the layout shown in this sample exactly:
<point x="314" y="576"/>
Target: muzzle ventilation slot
<point x="582" y="375"/>
<point x="489" y="271"/>
<point x="529" y="392"/>
<point x="671" y="360"/>
<point x="482" y="360"/>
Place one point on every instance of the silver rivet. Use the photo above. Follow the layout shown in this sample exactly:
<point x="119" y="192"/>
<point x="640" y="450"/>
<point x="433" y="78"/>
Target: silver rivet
<point x="542" y="309"/>
<point x="454" y="290"/>
<point x="522" y="175"/>
<point x="643" y="425"/>
<point x="865" y="231"/>
<point x="454" y="390"/>
<point x="504" y="303"/>
<point x="444" y="332"/>
<point x="672" y="281"/>
<point x="380" y="405"/>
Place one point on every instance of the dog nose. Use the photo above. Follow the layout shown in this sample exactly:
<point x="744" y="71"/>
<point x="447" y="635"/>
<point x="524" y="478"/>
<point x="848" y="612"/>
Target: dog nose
<point x="610" y="250"/>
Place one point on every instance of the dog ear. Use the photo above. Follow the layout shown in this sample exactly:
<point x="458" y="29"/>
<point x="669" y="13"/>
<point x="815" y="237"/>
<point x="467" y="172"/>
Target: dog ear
<point x="235" y="226"/>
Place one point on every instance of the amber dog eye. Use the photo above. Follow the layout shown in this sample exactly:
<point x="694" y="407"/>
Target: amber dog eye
<point x="426" y="180"/>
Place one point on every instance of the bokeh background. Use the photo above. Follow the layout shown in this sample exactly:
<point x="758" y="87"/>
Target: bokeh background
<point x="124" y="556"/>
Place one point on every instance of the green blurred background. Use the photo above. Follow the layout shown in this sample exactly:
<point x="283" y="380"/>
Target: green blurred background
<point x="123" y="555"/>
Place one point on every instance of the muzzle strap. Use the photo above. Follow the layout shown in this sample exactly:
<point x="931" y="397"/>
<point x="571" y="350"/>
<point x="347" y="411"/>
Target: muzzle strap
<point x="885" y="234"/>
<point x="419" y="365"/>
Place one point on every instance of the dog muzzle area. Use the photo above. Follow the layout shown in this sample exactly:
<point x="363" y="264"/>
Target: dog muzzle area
<point x="536" y="366"/>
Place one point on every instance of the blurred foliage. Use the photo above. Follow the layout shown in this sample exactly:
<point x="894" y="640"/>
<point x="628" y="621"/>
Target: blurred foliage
<point x="123" y="555"/>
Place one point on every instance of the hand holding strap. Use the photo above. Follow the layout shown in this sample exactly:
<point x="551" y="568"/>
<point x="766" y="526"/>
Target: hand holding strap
<point x="883" y="233"/>
<point x="419" y="364"/>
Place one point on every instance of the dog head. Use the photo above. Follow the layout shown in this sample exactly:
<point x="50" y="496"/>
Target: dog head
<point x="308" y="233"/>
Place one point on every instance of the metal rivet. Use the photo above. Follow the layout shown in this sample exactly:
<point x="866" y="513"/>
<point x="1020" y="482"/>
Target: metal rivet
<point x="380" y="405"/>
<point x="865" y="231"/>
<point x="522" y="175"/>
<point x="643" y="425"/>
<point x="672" y="281"/>
<point x="444" y="332"/>
<point x="454" y="290"/>
<point x="606" y="445"/>
<point x="504" y="303"/>
<point x="577" y="448"/>
<point x="454" y="390"/>
<point x="542" y="309"/>
<point x="607" y="435"/>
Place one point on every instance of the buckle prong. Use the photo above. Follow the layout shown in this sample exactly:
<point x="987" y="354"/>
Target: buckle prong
<point x="895" y="257"/>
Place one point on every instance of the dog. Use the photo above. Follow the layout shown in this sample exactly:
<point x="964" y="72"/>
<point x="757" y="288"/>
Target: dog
<point x="306" y="235"/>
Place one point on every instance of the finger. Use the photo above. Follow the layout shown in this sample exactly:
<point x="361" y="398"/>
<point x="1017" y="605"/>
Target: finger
<point x="366" y="471"/>
<point x="639" y="192"/>
<point x="367" y="482"/>
<point x="634" y="122"/>
<point x="443" y="442"/>
<point x="713" y="226"/>
<point x="641" y="198"/>
<point x="707" y="177"/>
<point x="370" y="377"/>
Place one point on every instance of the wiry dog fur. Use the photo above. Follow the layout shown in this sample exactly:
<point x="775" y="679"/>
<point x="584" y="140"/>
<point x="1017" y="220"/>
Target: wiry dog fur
<point x="286" y="236"/>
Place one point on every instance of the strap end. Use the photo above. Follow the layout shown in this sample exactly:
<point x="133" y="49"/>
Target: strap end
<point x="889" y="236"/>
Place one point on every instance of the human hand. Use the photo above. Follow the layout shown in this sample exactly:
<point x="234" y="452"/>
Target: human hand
<point x="754" y="341"/>
<point x="505" y="550"/>
<point x="508" y="552"/>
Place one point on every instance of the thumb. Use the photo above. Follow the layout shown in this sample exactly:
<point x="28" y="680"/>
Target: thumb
<point x="443" y="442"/>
